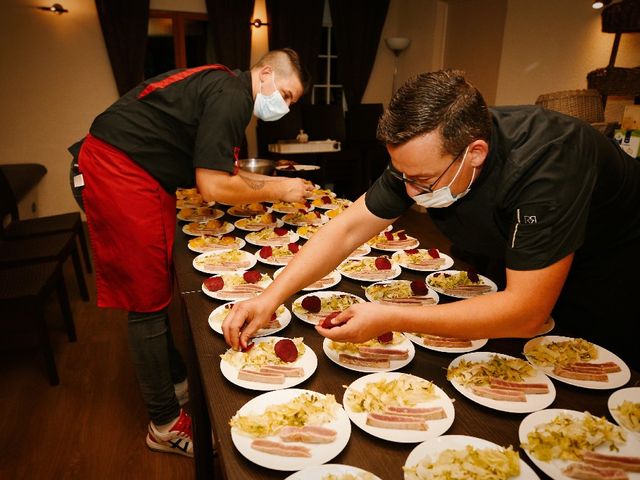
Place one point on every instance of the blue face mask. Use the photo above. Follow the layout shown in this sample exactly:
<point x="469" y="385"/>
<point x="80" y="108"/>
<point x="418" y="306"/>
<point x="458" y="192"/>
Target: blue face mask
<point x="270" y="107"/>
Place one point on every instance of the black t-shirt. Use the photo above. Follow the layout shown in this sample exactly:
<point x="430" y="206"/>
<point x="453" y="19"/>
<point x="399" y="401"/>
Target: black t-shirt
<point x="183" y="120"/>
<point x="551" y="185"/>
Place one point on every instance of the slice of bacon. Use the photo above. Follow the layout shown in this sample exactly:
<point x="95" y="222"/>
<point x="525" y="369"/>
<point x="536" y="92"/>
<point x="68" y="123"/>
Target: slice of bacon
<point x="282" y="449"/>
<point x="380" y="352"/>
<point x="499" y="394"/>
<point x="375" y="362"/>
<point x="588" y="367"/>
<point x="423" y="413"/>
<point x="415" y="300"/>
<point x="450" y="342"/>
<point x="584" y="471"/>
<point x="468" y="290"/>
<point x="378" y="275"/>
<point x="533" y="388"/>
<point x="260" y="376"/>
<point x="283" y="369"/>
<point x="427" y="263"/>
<point x="630" y="464"/>
<point x="307" y="434"/>
<point x="397" y="422"/>
<point x="562" y="371"/>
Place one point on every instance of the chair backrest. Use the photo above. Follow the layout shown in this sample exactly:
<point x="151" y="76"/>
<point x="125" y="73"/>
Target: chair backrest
<point x="322" y="122"/>
<point x="287" y="128"/>
<point x="8" y="204"/>
<point x="583" y="104"/>
<point x="362" y="123"/>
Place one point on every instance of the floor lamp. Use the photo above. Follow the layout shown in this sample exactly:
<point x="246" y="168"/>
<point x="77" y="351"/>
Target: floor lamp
<point x="397" y="45"/>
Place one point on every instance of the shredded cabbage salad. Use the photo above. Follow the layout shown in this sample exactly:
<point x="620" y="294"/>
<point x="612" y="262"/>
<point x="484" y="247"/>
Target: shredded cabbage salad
<point x="480" y="373"/>
<point x="628" y="414"/>
<point x="561" y="353"/>
<point x="403" y="391"/>
<point x="446" y="281"/>
<point x="261" y="354"/>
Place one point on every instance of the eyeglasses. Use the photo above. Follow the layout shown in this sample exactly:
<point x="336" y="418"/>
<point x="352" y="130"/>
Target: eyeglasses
<point x="414" y="183"/>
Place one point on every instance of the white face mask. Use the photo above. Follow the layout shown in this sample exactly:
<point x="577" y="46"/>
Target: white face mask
<point x="443" y="197"/>
<point x="270" y="107"/>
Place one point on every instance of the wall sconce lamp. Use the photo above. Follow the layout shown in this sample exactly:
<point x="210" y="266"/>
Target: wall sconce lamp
<point x="55" y="8"/>
<point x="397" y="45"/>
<point x="258" y="23"/>
<point x="598" y="4"/>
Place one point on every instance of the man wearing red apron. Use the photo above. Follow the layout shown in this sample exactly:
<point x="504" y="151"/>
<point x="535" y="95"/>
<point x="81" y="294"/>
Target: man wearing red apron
<point x="175" y="130"/>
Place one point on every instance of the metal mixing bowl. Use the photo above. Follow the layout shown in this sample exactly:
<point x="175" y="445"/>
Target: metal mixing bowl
<point x="257" y="165"/>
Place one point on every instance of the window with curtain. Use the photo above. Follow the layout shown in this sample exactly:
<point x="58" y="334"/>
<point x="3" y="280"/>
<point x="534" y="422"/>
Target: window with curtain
<point x="327" y="89"/>
<point x="177" y="40"/>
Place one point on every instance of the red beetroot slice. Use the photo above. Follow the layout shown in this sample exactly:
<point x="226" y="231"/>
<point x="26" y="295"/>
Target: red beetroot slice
<point x="325" y="199"/>
<point x="293" y="247"/>
<point x="418" y="287"/>
<point x="311" y="304"/>
<point x="383" y="263"/>
<point x="248" y="347"/>
<point x="251" y="276"/>
<point x="402" y="235"/>
<point x="302" y="211"/>
<point x="385" y="337"/>
<point x="266" y="252"/>
<point x="326" y="321"/>
<point x="214" y="283"/>
<point x="473" y="276"/>
<point x="412" y="251"/>
<point x="388" y="236"/>
<point x="286" y="350"/>
<point x="433" y="253"/>
<point x="280" y="231"/>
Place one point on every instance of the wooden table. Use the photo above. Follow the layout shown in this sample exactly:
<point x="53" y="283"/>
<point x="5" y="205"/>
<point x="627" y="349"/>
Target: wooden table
<point x="215" y="400"/>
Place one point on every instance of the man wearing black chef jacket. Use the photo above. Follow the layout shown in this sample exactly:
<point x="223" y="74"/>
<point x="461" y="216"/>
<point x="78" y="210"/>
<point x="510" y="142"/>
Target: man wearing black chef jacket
<point x="178" y="129"/>
<point x="548" y="196"/>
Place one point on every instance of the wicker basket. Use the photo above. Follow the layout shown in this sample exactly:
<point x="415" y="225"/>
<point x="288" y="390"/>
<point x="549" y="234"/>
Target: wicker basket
<point x="583" y="104"/>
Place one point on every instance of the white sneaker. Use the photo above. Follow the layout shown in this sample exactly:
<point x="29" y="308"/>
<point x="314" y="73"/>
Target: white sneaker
<point x="182" y="391"/>
<point x="178" y="439"/>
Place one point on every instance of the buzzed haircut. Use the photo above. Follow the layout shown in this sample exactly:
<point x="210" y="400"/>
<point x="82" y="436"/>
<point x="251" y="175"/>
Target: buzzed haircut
<point x="284" y="62"/>
<point x="443" y="101"/>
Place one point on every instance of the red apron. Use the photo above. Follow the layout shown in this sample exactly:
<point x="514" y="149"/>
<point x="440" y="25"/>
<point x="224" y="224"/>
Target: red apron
<point x="131" y="221"/>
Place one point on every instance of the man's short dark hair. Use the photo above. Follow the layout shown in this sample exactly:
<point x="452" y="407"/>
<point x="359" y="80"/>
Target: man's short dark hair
<point x="286" y="61"/>
<point x="442" y="101"/>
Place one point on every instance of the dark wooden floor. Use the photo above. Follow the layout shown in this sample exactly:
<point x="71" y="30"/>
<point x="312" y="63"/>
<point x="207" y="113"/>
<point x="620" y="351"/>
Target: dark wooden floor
<point x="93" y="424"/>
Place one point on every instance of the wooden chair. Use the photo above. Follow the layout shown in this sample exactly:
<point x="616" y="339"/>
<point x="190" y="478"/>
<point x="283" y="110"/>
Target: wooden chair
<point x="24" y="291"/>
<point x="20" y="229"/>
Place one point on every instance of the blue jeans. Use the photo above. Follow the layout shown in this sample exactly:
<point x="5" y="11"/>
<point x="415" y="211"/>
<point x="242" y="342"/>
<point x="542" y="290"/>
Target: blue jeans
<point x="157" y="363"/>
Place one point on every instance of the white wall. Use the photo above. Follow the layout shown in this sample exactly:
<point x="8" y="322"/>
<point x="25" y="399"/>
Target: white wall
<point x="551" y="46"/>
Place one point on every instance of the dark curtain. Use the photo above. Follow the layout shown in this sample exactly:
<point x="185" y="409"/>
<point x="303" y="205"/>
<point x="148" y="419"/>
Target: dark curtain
<point x="298" y="25"/>
<point x="356" y="27"/>
<point x="124" y="26"/>
<point x="230" y="25"/>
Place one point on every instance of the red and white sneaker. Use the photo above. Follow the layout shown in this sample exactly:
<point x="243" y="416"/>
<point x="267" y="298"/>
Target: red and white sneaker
<point x="178" y="439"/>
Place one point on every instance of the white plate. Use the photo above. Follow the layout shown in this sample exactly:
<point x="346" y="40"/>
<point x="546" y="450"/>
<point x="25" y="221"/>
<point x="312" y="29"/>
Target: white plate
<point x="215" y="214"/>
<point x="320" y="452"/>
<point x="298" y="167"/>
<point x="246" y="257"/>
<point x="554" y="467"/>
<point x="321" y="192"/>
<point x="322" y="294"/>
<point x="226" y="227"/>
<point x="616" y="380"/>
<point x="399" y="257"/>
<point x="335" y="203"/>
<point x="320" y="472"/>
<point x="239" y="243"/>
<point x="415" y="244"/>
<point x="430" y="293"/>
<point x="361" y="251"/>
<point x="241" y="224"/>
<point x="631" y="394"/>
<point x="334" y="276"/>
<point x="436" y="427"/>
<point x="395" y="364"/>
<point x="291" y="237"/>
<point x="491" y="283"/>
<point x="321" y="220"/>
<point x="475" y="344"/>
<point x="289" y="208"/>
<point x="435" y="446"/>
<point x="264" y="283"/>
<point x="534" y="401"/>
<point x="234" y="211"/>
<point x="216" y="323"/>
<point x="276" y="263"/>
<point x="307" y="361"/>
<point x="393" y="272"/>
